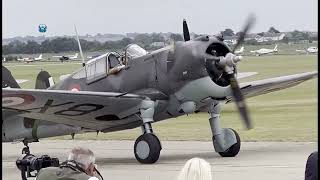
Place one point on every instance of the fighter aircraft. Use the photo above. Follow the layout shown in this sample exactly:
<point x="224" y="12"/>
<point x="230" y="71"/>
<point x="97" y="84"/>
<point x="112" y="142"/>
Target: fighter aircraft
<point x="113" y="92"/>
<point x="240" y="51"/>
<point x="264" y="51"/>
<point x="27" y="60"/>
<point x="67" y="57"/>
<point x="311" y="50"/>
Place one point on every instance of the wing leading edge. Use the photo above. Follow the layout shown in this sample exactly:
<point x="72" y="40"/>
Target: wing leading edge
<point x="255" y="88"/>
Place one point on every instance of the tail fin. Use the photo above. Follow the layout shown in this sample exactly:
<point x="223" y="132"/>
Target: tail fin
<point x="44" y="80"/>
<point x="8" y="80"/>
<point x="40" y="56"/>
<point x="76" y="55"/>
<point x="242" y="49"/>
<point x="276" y="48"/>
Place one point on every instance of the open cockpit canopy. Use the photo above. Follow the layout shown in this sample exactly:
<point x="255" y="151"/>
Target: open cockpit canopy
<point x="99" y="67"/>
<point x="134" y="51"/>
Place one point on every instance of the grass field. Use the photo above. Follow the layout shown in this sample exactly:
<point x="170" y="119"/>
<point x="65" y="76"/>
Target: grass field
<point x="287" y="115"/>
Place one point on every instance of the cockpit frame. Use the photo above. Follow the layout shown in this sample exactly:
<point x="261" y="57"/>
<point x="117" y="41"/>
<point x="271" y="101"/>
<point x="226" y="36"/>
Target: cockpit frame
<point x="100" y="67"/>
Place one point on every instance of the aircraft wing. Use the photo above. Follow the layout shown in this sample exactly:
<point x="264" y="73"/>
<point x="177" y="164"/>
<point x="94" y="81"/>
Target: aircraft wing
<point x="57" y="56"/>
<point x="20" y="81"/>
<point x="103" y="111"/>
<point x="255" y="88"/>
<point x="245" y="74"/>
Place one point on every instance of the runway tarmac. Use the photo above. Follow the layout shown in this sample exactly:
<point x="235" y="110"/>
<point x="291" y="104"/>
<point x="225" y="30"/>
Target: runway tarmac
<point x="116" y="161"/>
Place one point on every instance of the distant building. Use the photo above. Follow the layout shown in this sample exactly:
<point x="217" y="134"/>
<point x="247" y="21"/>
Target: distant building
<point x="157" y="44"/>
<point x="270" y="37"/>
<point x="230" y="40"/>
<point x="249" y="37"/>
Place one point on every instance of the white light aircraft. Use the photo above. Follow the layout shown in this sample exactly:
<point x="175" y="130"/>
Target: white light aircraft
<point x="311" y="50"/>
<point x="27" y="60"/>
<point x="240" y="51"/>
<point x="264" y="51"/>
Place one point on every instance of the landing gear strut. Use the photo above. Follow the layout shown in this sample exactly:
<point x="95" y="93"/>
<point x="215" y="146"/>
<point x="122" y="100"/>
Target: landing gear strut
<point x="226" y="141"/>
<point x="26" y="149"/>
<point x="147" y="146"/>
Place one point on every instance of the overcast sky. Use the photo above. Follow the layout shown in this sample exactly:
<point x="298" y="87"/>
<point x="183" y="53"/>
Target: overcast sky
<point x="22" y="17"/>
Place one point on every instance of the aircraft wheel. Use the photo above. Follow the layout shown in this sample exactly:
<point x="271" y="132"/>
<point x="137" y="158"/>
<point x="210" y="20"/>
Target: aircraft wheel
<point x="234" y="149"/>
<point x="147" y="148"/>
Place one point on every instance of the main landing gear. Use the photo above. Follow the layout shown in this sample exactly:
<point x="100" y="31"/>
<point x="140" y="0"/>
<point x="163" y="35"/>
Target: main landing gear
<point x="226" y="141"/>
<point x="26" y="149"/>
<point x="147" y="146"/>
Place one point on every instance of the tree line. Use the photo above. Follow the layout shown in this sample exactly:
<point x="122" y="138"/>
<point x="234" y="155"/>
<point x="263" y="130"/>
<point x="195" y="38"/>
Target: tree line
<point x="63" y="44"/>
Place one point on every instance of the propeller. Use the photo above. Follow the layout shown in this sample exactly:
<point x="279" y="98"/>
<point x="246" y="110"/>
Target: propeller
<point x="186" y="34"/>
<point x="239" y="100"/>
<point x="228" y="63"/>
<point x="237" y="95"/>
<point x="249" y="23"/>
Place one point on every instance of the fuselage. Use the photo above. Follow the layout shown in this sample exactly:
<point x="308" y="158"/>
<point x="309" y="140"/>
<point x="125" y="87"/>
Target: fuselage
<point x="174" y="77"/>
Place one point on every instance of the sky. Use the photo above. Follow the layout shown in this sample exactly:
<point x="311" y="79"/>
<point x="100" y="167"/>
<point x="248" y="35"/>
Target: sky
<point x="22" y="17"/>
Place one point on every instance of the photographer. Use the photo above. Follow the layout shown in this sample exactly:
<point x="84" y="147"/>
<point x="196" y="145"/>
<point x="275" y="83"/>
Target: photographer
<point x="80" y="165"/>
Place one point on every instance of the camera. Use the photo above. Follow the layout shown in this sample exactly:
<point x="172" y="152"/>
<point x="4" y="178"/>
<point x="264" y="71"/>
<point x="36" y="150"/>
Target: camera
<point x="29" y="163"/>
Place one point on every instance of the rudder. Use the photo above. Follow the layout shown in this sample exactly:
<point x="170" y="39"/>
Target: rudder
<point x="44" y="80"/>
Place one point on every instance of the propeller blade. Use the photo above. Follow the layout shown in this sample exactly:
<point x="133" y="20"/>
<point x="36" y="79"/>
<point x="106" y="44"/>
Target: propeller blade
<point x="239" y="100"/>
<point x="250" y="22"/>
<point x="186" y="34"/>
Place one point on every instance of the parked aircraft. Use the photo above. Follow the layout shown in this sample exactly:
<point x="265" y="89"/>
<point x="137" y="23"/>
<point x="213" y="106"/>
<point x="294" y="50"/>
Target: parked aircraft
<point x="264" y="51"/>
<point x="310" y="50"/>
<point x="72" y="57"/>
<point x="67" y="57"/>
<point x="114" y="92"/>
<point x="240" y="51"/>
<point x="27" y="60"/>
<point x="94" y="56"/>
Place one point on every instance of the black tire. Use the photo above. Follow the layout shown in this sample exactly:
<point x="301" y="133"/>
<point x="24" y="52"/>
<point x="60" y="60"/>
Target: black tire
<point x="234" y="149"/>
<point x="147" y="148"/>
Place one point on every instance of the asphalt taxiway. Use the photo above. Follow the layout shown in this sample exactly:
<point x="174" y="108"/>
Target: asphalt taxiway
<point x="115" y="159"/>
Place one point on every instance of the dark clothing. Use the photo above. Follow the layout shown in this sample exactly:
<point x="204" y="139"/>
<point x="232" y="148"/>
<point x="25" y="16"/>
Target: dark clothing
<point x="311" y="172"/>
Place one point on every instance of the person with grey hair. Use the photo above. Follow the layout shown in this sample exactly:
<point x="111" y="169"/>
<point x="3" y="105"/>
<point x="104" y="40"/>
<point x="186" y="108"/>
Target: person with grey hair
<point x="80" y="165"/>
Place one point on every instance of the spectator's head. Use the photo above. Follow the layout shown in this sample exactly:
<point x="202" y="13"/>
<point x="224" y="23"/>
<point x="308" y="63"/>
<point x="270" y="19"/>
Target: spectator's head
<point x="84" y="157"/>
<point x="195" y="169"/>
